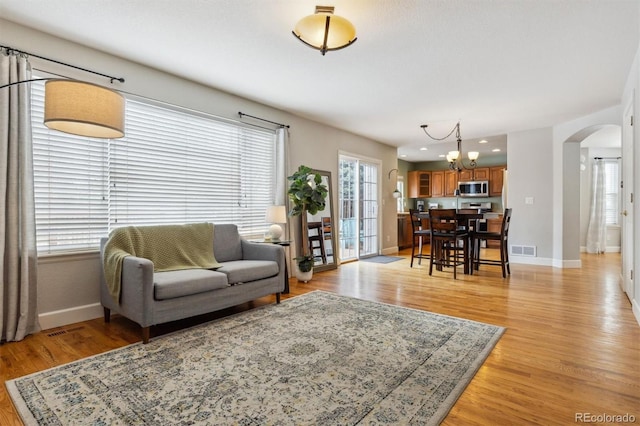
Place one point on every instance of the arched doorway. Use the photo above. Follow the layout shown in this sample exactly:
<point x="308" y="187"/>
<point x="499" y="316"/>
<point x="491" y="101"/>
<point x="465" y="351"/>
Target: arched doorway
<point x="608" y="141"/>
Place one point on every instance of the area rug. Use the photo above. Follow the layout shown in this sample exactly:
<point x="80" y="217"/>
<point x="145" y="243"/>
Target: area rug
<point x="318" y="359"/>
<point x="382" y="259"/>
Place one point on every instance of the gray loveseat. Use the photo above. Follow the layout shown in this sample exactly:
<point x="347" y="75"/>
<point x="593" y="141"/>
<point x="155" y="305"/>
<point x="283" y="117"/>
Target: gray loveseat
<point x="249" y="271"/>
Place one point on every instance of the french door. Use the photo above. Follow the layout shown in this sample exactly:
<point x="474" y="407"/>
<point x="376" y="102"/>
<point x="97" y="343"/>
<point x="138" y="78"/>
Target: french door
<point x="358" y="208"/>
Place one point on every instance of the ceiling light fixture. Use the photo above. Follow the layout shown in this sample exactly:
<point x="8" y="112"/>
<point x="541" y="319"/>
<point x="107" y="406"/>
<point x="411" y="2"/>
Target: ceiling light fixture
<point x="455" y="157"/>
<point x="325" y="31"/>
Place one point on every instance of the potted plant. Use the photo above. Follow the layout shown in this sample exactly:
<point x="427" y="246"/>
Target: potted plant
<point x="307" y="194"/>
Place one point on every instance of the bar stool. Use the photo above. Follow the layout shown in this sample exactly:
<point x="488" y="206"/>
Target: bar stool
<point x="503" y="237"/>
<point x="446" y="239"/>
<point x="419" y="233"/>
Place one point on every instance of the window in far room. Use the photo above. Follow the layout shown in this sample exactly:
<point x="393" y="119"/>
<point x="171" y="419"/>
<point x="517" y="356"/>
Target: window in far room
<point x="400" y="199"/>
<point x="612" y="191"/>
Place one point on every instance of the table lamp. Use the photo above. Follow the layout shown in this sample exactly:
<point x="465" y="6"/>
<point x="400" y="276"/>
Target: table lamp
<point x="276" y="215"/>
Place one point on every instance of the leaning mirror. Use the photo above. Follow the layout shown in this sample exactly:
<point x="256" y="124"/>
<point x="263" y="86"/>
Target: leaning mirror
<point x="321" y="231"/>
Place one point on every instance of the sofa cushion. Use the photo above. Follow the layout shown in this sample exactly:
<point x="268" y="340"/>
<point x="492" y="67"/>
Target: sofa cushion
<point x="172" y="284"/>
<point x="244" y="271"/>
<point x="226" y="243"/>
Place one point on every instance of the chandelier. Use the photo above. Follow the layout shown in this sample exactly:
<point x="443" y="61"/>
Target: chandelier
<point x="455" y="157"/>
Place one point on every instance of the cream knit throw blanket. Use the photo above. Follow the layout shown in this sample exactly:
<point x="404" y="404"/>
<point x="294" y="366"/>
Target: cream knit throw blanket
<point x="169" y="247"/>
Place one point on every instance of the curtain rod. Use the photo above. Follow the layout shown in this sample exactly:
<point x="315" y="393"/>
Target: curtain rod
<point x="242" y="114"/>
<point x="11" y="49"/>
<point x="607" y="158"/>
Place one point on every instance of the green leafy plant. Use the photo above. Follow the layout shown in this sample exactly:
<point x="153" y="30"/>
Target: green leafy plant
<point x="307" y="194"/>
<point x="305" y="263"/>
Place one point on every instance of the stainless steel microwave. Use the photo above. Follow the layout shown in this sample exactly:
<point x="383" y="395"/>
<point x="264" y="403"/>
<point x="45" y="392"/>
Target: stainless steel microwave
<point x="478" y="188"/>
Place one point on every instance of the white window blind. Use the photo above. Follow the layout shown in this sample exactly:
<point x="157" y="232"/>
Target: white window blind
<point x="173" y="166"/>
<point x="69" y="182"/>
<point x="612" y="190"/>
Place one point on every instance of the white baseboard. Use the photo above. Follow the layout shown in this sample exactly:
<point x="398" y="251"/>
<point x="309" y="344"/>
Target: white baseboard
<point x="69" y="316"/>
<point x="635" y="307"/>
<point x="545" y="261"/>
<point x="608" y="249"/>
<point x="529" y="260"/>
<point x="389" y="250"/>
<point x="577" y="263"/>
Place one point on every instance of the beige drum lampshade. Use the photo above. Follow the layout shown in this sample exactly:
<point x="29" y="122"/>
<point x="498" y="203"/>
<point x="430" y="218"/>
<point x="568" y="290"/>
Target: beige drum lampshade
<point x="83" y="109"/>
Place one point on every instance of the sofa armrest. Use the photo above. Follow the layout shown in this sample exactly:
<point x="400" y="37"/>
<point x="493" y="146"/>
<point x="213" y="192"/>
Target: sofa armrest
<point x="263" y="251"/>
<point x="136" y="300"/>
<point x="136" y="297"/>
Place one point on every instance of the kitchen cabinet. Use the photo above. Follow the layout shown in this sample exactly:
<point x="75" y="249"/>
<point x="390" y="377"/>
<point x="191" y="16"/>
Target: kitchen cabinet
<point x="450" y="183"/>
<point x="443" y="183"/>
<point x="480" y="173"/>
<point x="496" y="179"/>
<point x="419" y="184"/>
<point x="405" y="233"/>
<point x="437" y="184"/>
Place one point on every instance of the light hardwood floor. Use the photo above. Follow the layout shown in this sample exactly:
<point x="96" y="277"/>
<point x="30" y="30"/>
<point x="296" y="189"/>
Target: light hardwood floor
<point x="572" y="345"/>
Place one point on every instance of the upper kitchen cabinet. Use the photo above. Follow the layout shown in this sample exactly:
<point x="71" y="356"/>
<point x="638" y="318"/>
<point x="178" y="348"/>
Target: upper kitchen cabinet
<point x="496" y="180"/>
<point x="481" y="173"/>
<point x="419" y="184"/>
<point x="437" y="184"/>
<point x="450" y="183"/>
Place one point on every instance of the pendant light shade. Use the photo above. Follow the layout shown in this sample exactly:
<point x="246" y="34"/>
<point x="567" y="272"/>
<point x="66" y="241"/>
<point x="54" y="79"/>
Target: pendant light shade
<point x="325" y="31"/>
<point x="83" y="109"/>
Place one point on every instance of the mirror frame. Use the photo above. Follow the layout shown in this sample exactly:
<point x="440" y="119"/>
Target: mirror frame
<point x="334" y="264"/>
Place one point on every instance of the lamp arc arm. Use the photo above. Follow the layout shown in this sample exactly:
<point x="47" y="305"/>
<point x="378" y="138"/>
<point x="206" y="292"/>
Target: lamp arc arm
<point x="24" y="81"/>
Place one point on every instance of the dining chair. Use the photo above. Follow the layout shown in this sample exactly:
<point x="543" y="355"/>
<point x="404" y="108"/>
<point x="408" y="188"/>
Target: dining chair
<point x="471" y="225"/>
<point x="447" y="239"/>
<point x="418" y="233"/>
<point x="503" y="237"/>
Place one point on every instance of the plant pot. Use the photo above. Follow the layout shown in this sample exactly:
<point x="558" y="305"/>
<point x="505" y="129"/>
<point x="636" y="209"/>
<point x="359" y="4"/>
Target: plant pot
<point x="304" y="276"/>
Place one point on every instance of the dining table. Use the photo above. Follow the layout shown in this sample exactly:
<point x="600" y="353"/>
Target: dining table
<point x="465" y="219"/>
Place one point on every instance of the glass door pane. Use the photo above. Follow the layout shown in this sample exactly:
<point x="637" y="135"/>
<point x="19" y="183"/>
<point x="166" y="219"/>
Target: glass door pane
<point x="368" y="209"/>
<point x="348" y="209"/>
<point x="358" y="210"/>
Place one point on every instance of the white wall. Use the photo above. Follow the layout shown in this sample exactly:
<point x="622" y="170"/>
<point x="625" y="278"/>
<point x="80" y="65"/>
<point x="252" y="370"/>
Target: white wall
<point x="530" y="177"/>
<point x="68" y="285"/>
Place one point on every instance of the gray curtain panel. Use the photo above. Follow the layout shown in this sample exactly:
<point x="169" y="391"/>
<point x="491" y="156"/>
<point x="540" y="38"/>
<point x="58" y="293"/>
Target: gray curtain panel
<point x="597" y="229"/>
<point x="18" y="255"/>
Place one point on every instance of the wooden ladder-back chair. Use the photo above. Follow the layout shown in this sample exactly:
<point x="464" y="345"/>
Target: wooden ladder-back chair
<point x="316" y="241"/>
<point x="446" y="239"/>
<point x="503" y="237"/>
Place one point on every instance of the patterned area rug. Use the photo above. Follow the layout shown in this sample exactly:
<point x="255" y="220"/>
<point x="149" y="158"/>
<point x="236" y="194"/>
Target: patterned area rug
<point x="319" y="358"/>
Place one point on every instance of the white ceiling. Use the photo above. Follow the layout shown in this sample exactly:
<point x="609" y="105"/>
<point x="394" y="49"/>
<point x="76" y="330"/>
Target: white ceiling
<point x="496" y="65"/>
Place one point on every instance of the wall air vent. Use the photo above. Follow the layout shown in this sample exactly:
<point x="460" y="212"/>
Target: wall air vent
<point x="523" y="250"/>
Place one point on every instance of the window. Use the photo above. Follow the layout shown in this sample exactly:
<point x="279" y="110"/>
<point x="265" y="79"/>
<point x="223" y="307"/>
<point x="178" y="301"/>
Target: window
<point x="173" y="166"/>
<point x="400" y="199"/>
<point x="612" y="191"/>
